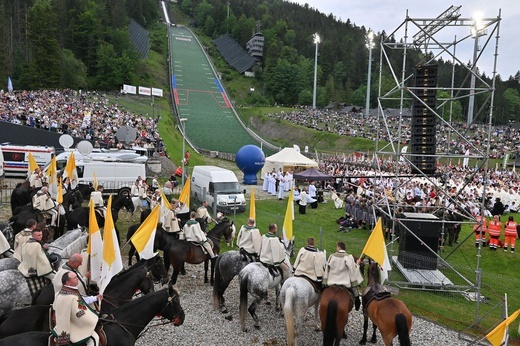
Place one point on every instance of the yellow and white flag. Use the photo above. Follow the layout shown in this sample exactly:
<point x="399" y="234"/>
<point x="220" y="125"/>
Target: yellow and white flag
<point x="95" y="245"/>
<point x="112" y="261"/>
<point x="144" y="237"/>
<point x="165" y="206"/>
<point x="70" y="169"/>
<point x="252" y="207"/>
<point x="288" y="220"/>
<point x="184" y="197"/>
<point x="52" y="178"/>
<point x="31" y="164"/>
<point x="497" y="335"/>
<point x="375" y="248"/>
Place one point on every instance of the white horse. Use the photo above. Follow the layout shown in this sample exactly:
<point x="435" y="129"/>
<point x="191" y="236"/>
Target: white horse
<point x="13" y="285"/>
<point x="256" y="280"/>
<point x="138" y="205"/>
<point x="297" y="296"/>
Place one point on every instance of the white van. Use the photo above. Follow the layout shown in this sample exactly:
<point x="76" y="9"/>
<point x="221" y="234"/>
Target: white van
<point x="16" y="158"/>
<point x="2" y="172"/>
<point x="117" y="177"/>
<point x="206" y="181"/>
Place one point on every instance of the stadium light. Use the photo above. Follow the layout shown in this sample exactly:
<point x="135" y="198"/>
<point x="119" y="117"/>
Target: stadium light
<point x="477" y="30"/>
<point x="183" y="125"/>
<point x="370" y="45"/>
<point x="317" y="40"/>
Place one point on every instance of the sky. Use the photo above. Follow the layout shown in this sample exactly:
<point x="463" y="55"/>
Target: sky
<point x="388" y="15"/>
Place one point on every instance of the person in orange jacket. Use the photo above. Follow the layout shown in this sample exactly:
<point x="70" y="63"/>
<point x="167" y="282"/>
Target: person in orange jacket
<point x="511" y="234"/>
<point x="494" y="230"/>
<point x="480" y="225"/>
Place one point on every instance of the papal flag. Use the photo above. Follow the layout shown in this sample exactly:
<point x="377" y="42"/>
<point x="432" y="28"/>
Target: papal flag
<point x="252" y="207"/>
<point x="144" y="237"/>
<point x="31" y="164"/>
<point x="70" y="169"/>
<point x="95" y="181"/>
<point x="497" y="335"/>
<point x="165" y="205"/>
<point x="184" y="197"/>
<point x="52" y="178"/>
<point x="59" y="195"/>
<point x="288" y="220"/>
<point x="112" y="261"/>
<point x="95" y="245"/>
<point x="375" y="248"/>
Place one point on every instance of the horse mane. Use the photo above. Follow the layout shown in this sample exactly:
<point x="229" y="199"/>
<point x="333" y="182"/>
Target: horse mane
<point x="373" y="273"/>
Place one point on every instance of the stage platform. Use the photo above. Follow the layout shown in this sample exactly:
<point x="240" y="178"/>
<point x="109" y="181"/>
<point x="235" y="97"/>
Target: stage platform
<point x="423" y="277"/>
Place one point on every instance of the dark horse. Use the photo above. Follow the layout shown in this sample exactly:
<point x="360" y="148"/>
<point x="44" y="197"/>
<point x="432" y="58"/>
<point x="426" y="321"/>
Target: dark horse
<point x="390" y="315"/>
<point x="335" y="305"/>
<point x="80" y="216"/>
<point x="21" y="195"/>
<point x="120" y="291"/>
<point x="125" y="323"/>
<point x="18" y="223"/>
<point x="180" y="251"/>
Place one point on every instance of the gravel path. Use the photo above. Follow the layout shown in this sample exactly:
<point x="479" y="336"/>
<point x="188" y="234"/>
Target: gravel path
<point x="205" y="326"/>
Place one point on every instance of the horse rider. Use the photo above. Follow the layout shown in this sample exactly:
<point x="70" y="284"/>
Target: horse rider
<point x="193" y="233"/>
<point x="249" y="241"/>
<point x="43" y="202"/>
<point x="36" y="178"/>
<point x="202" y="213"/>
<point x="22" y="237"/>
<point x="134" y="191"/>
<point x="75" y="319"/>
<point x="510" y="233"/>
<point x="155" y="199"/>
<point x="342" y="270"/>
<point x="35" y="262"/>
<point x="96" y="197"/>
<point x="272" y="253"/>
<point x="310" y="264"/>
<point x="5" y="248"/>
<point x="72" y="265"/>
<point x="171" y="223"/>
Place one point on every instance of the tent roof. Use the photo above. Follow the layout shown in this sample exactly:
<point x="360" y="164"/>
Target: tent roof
<point x="312" y="174"/>
<point x="290" y="157"/>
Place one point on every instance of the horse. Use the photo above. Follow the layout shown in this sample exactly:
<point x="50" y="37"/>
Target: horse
<point x="7" y="229"/>
<point x="80" y="216"/>
<point x="335" y="305"/>
<point x="297" y="295"/>
<point x="19" y="220"/>
<point x="119" y="291"/>
<point x="256" y="279"/>
<point x="21" y="195"/>
<point x="389" y="314"/>
<point x="13" y="285"/>
<point x="177" y="252"/>
<point x="227" y="267"/>
<point x="125" y="323"/>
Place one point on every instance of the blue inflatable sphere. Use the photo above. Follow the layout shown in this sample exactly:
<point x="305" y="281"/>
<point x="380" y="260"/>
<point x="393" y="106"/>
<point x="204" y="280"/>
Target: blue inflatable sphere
<point x="250" y="159"/>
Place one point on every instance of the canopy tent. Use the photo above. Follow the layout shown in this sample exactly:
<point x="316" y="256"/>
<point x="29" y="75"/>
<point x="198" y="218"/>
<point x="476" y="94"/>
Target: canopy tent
<point x="287" y="159"/>
<point x="312" y="174"/>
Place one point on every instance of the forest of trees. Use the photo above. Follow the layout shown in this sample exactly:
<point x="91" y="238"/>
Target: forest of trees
<point x="287" y="72"/>
<point x="85" y="44"/>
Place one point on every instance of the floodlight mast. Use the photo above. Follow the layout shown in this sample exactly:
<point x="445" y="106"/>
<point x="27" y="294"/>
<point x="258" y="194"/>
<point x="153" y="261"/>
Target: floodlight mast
<point x="370" y="45"/>
<point x="183" y="125"/>
<point x="317" y="40"/>
<point x="477" y="30"/>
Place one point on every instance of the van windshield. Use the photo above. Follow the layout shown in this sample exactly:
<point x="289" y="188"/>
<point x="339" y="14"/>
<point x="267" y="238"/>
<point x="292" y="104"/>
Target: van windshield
<point x="227" y="187"/>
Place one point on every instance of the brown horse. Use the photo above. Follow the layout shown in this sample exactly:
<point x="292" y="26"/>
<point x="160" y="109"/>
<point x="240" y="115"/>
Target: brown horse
<point x="335" y="305"/>
<point x="390" y="315"/>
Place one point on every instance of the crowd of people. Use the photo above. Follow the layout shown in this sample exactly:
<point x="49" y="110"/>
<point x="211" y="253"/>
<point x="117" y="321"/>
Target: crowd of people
<point x="87" y="115"/>
<point x="356" y="124"/>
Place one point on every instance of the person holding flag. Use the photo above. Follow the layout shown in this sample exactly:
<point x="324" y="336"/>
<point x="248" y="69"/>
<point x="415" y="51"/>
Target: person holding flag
<point x="36" y="178"/>
<point x="171" y="222"/>
<point x="96" y="198"/>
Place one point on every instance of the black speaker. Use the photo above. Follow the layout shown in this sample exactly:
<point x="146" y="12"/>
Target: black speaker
<point x="423" y="139"/>
<point x="413" y="253"/>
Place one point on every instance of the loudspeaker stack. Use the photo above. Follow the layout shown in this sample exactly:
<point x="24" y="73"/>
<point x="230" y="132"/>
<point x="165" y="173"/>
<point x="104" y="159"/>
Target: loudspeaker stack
<point x="423" y="140"/>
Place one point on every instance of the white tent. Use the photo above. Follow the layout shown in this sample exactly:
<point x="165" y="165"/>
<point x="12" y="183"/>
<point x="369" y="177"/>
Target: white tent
<point x="287" y="159"/>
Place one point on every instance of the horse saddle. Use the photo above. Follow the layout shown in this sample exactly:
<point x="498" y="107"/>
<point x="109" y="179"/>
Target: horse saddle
<point x="315" y="284"/>
<point x="248" y="257"/>
<point x="374" y="292"/>
<point x="200" y="244"/>
<point x="273" y="270"/>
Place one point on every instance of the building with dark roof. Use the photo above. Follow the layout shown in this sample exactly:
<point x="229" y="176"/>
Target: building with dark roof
<point x="255" y="46"/>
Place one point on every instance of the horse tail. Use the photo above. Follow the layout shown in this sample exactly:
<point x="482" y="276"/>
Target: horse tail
<point x="216" y="284"/>
<point x="402" y="329"/>
<point x="330" y="331"/>
<point x="288" y="315"/>
<point x="243" y="300"/>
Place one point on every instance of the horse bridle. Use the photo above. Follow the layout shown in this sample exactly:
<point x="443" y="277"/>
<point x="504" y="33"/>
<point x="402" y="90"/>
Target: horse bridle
<point x="112" y="318"/>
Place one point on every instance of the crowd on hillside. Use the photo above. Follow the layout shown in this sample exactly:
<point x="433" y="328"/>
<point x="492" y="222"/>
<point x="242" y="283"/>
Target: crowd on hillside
<point x="87" y="115"/>
<point x="355" y="124"/>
